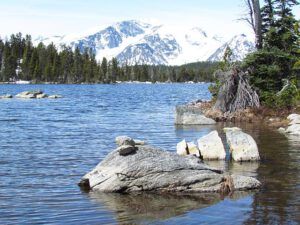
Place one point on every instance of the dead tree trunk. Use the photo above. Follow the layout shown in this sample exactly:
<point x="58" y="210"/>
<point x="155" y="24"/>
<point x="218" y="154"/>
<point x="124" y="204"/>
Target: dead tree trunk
<point x="236" y="93"/>
<point x="257" y="23"/>
<point x="254" y="18"/>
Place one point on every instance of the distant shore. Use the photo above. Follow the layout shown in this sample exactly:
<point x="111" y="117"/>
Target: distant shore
<point x="117" y="82"/>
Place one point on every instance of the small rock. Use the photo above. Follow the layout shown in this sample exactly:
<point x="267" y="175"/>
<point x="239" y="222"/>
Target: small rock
<point x="242" y="146"/>
<point x="124" y="140"/>
<point x="29" y="94"/>
<point x="293" y="129"/>
<point x="211" y="146"/>
<point x="182" y="148"/>
<point x="41" y="96"/>
<point x="6" y="96"/>
<point x="54" y="96"/>
<point x="139" y="142"/>
<point x="126" y="150"/>
<point x="281" y="130"/>
<point x="294" y="118"/>
<point x="193" y="149"/>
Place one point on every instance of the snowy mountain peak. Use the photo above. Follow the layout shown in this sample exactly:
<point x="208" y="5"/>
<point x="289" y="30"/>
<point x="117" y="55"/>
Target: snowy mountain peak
<point x="240" y="46"/>
<point x="132" y="42"/>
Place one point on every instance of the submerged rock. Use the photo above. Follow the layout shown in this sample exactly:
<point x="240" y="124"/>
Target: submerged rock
<point x="242" y="146"/>
<point x="152" y="169"/>
<point x="211" y="146"/>
<point x="189" y="115"/>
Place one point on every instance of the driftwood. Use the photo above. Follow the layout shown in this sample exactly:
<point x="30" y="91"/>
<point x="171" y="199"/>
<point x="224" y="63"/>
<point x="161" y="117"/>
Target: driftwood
<point x="236" y="92"/>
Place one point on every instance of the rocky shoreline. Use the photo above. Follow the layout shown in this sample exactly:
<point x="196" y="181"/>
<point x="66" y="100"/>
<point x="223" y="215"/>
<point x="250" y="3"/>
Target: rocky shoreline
<point x="203" y="113"/>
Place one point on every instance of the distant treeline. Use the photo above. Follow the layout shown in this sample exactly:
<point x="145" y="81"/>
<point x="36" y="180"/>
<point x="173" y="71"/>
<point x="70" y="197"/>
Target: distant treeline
<point x="20" y="60"/>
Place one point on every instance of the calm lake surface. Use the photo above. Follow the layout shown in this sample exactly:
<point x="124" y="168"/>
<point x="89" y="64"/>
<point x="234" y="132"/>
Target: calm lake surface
<point x="46" y="145"/>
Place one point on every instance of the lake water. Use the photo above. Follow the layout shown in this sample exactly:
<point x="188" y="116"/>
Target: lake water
<point x="46" y="146"/>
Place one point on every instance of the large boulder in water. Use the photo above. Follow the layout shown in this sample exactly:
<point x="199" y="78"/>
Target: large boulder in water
<point x="242" y="146"/>
<point x="211" y="146"/>
<point x="152" y="169"/>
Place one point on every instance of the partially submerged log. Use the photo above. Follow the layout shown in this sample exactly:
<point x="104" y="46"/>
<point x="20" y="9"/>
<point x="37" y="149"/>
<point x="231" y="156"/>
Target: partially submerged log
<point x="236" y="92"/>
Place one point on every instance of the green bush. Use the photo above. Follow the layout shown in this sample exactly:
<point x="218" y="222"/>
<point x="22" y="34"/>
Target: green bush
<point x="286" y="98"/>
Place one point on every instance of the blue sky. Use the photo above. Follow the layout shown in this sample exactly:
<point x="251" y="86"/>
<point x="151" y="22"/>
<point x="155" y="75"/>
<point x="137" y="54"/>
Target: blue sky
<point x="57" y="17"/>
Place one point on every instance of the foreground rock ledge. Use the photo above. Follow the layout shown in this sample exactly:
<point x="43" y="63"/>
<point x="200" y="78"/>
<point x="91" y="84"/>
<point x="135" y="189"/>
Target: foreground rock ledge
<point x="152" y="169"/>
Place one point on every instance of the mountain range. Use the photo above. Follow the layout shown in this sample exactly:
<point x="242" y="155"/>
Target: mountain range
<point x="135" y="42"/>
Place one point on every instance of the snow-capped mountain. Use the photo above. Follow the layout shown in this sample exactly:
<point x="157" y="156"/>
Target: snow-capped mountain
<point x="143" y="43"/>
<point x="239" y="45"/>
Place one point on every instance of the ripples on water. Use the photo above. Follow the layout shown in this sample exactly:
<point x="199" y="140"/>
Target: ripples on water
<point x="46" y="145"/>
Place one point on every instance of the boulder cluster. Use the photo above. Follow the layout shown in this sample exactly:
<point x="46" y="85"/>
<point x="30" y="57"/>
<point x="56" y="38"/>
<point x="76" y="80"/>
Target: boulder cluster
<point x="294" y="125"/>
<point x="30" y="95"/>
<point x="135" y="166"/>
<point x="210" y="147"/>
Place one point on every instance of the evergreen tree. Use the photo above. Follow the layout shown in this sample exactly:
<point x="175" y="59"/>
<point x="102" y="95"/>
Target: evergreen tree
<point x="271" y="66"/>
<point x="104" y="68"/>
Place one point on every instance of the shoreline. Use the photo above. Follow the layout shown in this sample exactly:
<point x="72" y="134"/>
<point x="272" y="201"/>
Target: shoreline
<point x="275" y="118"/>
<point x="117" y="82"/>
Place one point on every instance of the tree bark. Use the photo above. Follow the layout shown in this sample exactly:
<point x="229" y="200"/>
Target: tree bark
<point x="257" y="23"/>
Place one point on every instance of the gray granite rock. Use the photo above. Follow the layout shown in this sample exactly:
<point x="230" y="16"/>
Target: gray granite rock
<point x="152" y="169"/>
<point x="126" y="150"/>
<point x="190" y="115"/>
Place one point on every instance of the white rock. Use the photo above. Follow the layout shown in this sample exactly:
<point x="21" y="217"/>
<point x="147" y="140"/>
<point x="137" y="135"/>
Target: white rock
<point x="29" y="94"/>
<point x="139" y="142"/>
<point x="293" y="129"/>
<point x="124" y="140"/>
<point x="54" y="96"/>
<point x="181" y="148"/>
<point x="6" y="96"/>
<point x="242" y="146"/>
<point x="294" y="118"/>
<point x="193" y="149"/>
<point x="281" y="130"/>
<point x="211" y="146"/>
<point x="41" y="96"/>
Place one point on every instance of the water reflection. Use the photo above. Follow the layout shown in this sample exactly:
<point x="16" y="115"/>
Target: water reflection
<point x="147" y="207"/>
